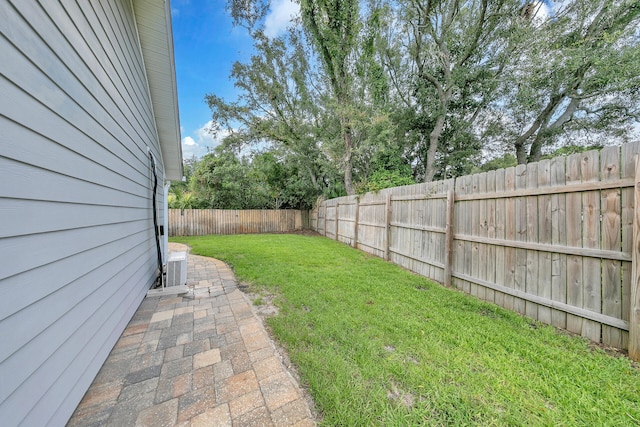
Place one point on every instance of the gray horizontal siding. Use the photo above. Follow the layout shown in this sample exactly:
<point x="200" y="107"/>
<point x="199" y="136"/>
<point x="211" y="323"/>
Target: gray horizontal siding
<point x="57" y="104"/>
<point x="44" y="152"/>
<point x="36" y="216"/>
<point x="68" y="270"/>
<point x="46" y="248"/>
<point x="77" y="250"/>
<point x="24" y="180"/>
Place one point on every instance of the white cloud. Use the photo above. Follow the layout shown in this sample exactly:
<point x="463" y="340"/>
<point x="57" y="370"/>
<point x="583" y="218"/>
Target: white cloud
<point x="542" y="12"/>
<point x="190" y="150"/>
<point x="199" y="141"/>
<point x="279" y="17"/>
<point x="204" y="136"/>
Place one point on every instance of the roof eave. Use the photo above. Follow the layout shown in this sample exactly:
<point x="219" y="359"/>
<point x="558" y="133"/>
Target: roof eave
<point x="153" y="18"/>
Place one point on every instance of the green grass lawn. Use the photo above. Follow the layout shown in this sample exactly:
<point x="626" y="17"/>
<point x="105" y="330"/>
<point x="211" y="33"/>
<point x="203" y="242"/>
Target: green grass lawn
<point x="377" y="345"/>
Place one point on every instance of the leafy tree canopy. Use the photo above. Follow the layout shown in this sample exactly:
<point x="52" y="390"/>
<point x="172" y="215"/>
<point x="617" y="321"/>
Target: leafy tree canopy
<point x="358" y="96"/>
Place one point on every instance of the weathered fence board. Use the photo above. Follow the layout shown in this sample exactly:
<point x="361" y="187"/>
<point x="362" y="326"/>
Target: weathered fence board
<point x="592" y="297"/>
<point x="574" y="239"/>
<point x="490" y="260"/>
<point x="458" y="226"/>
<point x="611" y="240"/>
<point x="521" y="235"/>
<point x="558" y="237"/>
<point x="552" y="240"/>
<point x="531" y="282"/>
<point x="510" y="234"/>
<point x="200" y="222"/>
<point x="475" y="220"/>
<point x="634" y="318"/>
<point x="465" y="227"/>
<point x="544" y="237"/>
<point x="629" y="153"/>
<point x="500" y="278"/>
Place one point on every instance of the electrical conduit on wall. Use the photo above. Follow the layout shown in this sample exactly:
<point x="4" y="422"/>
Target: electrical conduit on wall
<point x="155" y="218"/>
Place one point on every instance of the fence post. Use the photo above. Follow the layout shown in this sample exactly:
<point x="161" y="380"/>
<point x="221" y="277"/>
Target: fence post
<point x="448" y="243"/>
<point x="355" y="226"/>
<point x="387" y="227"/>
<point x="324" y="227"/>
<point x="337" y="216"/>
<point x="634" y="316"/>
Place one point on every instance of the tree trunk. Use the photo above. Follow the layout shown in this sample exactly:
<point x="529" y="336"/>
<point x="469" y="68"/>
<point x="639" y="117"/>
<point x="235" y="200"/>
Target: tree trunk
<point x="535" y="151"/>
<point x="348" y="172"/>
<point x="348" y="181"/>
<point x="314" y="180"/>
<point x="434" y="139"/>
<point x="541" y="121"/>
<point x="521" y="150"/>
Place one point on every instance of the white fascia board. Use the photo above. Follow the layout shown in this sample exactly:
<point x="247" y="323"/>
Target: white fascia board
<point x="153" y="20"/>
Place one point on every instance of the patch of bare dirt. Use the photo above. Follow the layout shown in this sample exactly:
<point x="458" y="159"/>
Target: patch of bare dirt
<point x="395" y="394"/>
<point x="263" y="305"/>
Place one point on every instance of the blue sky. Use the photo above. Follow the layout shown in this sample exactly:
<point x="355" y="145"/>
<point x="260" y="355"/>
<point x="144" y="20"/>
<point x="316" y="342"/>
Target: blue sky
<point x="206" y="45"/>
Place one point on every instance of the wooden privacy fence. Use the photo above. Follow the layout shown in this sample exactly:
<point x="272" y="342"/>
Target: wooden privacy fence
<point x="200" y="222"/>
<point x="552" y="240"/>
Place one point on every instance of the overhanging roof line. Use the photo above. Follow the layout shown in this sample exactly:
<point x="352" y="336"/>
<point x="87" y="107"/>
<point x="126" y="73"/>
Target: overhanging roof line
<point x="153" y="20"/>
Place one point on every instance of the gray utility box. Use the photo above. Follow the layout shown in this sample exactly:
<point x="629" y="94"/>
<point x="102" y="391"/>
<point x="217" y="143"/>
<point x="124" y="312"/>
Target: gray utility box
<point x="177" y="269"/>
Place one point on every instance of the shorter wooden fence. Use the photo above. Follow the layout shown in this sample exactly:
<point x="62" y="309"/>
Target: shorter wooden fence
<point x="557" y="240"/>
<point x="200" y="222"/>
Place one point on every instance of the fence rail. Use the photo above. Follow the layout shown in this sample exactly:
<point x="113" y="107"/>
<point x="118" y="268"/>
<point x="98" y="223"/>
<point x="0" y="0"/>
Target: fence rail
<point x="552" y="240"/>
<point x="200" y="222"/>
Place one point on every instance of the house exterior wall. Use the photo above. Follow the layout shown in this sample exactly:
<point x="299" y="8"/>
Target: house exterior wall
<point x="77" y="248"/>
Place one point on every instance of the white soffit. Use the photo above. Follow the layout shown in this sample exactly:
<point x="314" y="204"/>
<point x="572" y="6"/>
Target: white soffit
<point x="153" y="19"/>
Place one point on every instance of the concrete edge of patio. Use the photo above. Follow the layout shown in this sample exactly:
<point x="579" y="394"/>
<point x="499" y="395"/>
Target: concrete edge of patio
<point x="197" y="359"/>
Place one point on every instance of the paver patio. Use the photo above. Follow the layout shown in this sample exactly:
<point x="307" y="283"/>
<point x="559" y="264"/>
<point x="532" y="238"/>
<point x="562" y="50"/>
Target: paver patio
<point x="200" y="359"/>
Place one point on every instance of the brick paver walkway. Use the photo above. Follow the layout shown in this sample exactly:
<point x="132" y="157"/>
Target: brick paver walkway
<point x="202" y="359"/>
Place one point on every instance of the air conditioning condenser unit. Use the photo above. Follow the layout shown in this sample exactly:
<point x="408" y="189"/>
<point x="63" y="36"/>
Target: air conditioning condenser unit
<point x="177" y="269"/>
